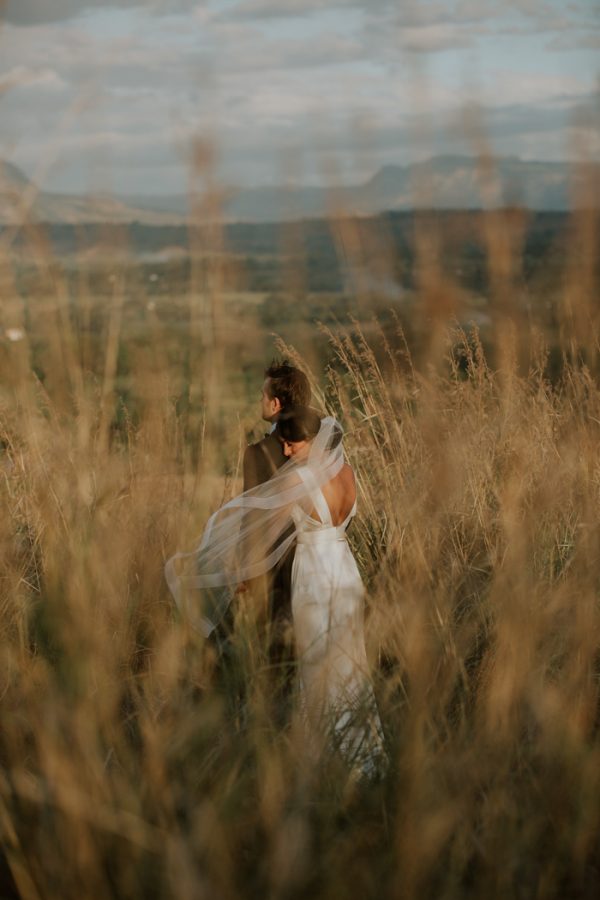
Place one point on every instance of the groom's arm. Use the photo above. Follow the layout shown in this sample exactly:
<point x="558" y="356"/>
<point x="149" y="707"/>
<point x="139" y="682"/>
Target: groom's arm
<point x="259" y="463"/>
<point x="251" y="467"/>
<point x="251" y="479"/>
<point x="256" y="471"/>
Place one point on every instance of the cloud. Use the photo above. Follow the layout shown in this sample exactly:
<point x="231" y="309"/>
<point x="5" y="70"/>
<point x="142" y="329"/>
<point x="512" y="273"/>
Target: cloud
<point x="276" y="9"/>
<point x="506" y="87"/>
<point x="44" y="79"/>
<point x="411" y="13"/>
<point x="433" y="38"/>
<point x="79" y="55"/>
<point x="581" y="41"/>
<point x="264" y="80"/>
<point x="36" y="12"/>
<point x="414" y="12"/>
<point x="29" y="12"/>
<point x="246" y="49"/>
<point x="550" y="15"/>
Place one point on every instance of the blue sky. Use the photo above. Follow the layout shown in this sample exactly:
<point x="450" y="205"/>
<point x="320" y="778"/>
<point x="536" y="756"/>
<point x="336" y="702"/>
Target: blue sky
<point x="113" y="95"/>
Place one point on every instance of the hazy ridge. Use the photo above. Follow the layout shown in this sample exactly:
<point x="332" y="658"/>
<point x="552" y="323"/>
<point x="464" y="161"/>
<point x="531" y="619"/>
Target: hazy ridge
<point x="444" y="182"/>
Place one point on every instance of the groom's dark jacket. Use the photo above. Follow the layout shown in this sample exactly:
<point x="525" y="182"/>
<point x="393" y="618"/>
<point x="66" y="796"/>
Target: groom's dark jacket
<point x="261" y="460"/>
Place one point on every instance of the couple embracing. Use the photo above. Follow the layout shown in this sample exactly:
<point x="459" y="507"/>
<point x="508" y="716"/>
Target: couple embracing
<point x="289" y="524"/>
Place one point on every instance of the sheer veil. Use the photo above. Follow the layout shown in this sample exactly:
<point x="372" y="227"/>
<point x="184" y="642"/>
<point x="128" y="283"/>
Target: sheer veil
<point x="250" y="534"/>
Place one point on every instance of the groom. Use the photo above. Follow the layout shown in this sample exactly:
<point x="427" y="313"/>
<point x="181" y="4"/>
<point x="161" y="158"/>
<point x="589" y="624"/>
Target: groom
<point x="284" y="385"/>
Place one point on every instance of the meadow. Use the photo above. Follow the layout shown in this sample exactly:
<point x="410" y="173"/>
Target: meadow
<point x="134" y="762"/>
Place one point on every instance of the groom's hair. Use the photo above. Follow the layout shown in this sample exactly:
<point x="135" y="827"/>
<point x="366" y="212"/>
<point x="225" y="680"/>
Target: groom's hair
<point x="288" y="384"/>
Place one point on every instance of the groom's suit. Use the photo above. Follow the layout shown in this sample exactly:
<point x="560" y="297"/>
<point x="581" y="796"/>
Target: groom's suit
<point x="261" y="460"/>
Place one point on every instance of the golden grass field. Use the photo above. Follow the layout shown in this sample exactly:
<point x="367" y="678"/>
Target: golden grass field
<point x="133" y="764"/>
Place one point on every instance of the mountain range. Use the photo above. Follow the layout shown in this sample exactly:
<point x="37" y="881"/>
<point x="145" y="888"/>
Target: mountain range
<point x="443" y="182"/>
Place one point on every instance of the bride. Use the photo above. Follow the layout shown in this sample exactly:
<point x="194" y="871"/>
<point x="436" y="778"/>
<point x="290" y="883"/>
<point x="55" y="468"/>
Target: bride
<point x="315" y="491"/>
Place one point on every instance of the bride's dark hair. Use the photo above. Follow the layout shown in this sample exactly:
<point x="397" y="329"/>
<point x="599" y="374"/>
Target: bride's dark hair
<point x="302" y="423"/>
<point x="297" y="423"/>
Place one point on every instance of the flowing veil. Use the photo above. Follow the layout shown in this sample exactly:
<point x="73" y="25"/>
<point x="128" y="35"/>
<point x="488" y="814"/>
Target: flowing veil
<point x="249" y="535"/>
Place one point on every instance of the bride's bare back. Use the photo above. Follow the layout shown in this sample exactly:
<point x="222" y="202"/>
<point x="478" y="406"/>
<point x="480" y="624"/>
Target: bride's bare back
<point x="340" y="494"/>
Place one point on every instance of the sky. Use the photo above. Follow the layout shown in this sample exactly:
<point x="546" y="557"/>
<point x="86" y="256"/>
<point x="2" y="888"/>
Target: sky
<point x="139" y="97"/>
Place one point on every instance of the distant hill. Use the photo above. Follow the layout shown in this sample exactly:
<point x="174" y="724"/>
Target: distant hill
<point x="444" y="182"/>
<point x="21" y="199"/>
<point x="455" y="182"/>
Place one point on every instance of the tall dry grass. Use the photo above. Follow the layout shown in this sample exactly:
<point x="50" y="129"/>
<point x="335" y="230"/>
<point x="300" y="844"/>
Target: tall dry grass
<point x="136" y="763"/>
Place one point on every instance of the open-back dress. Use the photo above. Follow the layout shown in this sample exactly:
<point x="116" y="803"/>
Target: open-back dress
<point x="336" y="694"/>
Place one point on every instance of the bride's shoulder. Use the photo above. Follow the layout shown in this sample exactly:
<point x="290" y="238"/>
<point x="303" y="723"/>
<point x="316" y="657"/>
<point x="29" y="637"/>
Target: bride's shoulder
<point x="346" y="476"/>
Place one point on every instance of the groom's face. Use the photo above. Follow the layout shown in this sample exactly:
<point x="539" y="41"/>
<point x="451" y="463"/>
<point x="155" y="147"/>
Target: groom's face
<point x="270" y="406"/>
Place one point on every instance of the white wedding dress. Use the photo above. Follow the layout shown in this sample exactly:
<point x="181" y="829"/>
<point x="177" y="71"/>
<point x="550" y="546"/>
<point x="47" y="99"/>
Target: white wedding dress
<point x="327" y="593"/>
